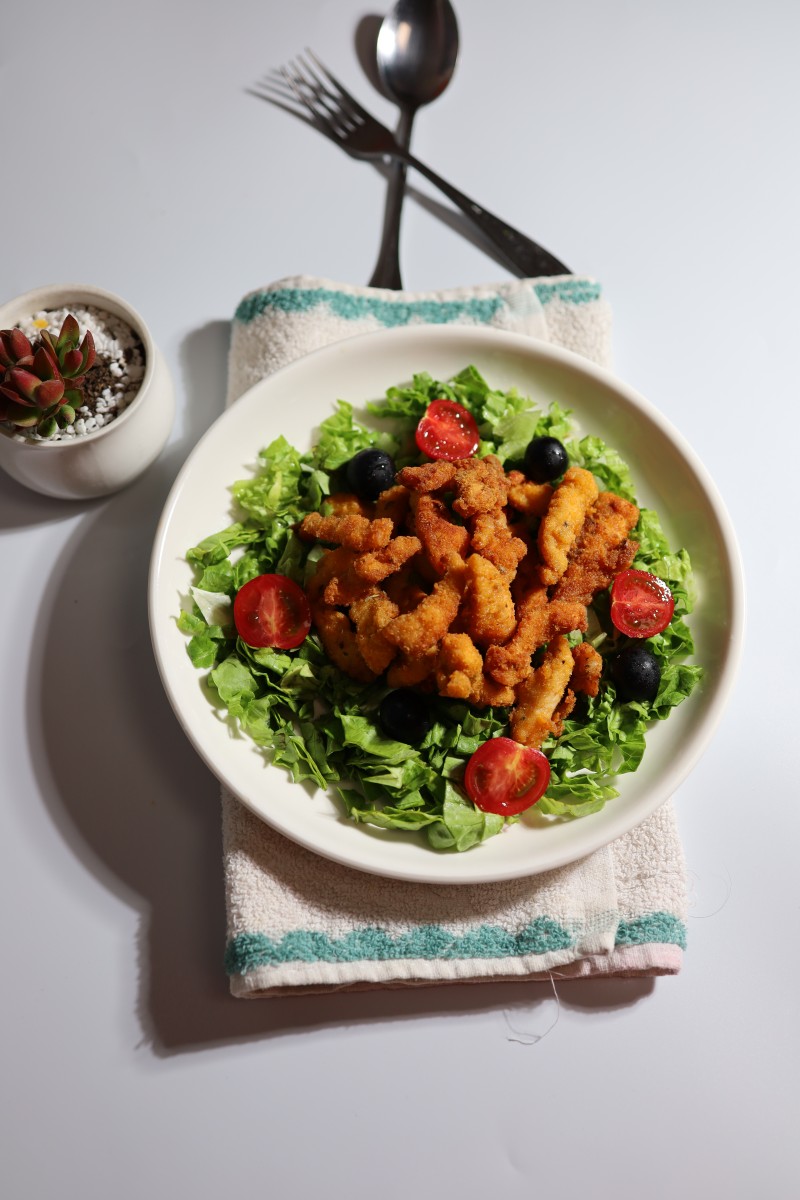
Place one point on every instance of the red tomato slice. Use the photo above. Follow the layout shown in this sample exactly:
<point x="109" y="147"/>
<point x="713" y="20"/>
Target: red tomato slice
<point x="447" y="431"/>
<point x="641" y="604"/>
<point x="272" y="610"/>
<point x="504" y="777"/>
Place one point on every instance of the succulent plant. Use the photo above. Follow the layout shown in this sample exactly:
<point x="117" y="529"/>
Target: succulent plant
<point x="42" y="384"/>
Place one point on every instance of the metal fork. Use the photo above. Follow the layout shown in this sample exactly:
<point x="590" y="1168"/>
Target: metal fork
<point x="306" y="83"/>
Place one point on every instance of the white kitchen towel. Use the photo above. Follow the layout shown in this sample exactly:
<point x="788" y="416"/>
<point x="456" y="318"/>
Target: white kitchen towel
<point x="299" y="923"/>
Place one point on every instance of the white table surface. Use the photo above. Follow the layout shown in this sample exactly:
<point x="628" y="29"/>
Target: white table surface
<point x="651" y="146"/>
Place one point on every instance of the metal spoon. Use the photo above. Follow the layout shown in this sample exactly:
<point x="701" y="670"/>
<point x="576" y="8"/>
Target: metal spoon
<point x="417" y="51"/>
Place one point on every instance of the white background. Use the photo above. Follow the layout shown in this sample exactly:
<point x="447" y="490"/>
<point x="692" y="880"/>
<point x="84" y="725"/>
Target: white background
<point x="652" y="146"/>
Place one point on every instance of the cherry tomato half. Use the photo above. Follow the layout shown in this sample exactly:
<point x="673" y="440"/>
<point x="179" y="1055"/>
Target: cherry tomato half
<point x="641" y="604"/>
<point x="506" y="778"/>
<point x="272" y="610"/>
<point x="447" y="431"/>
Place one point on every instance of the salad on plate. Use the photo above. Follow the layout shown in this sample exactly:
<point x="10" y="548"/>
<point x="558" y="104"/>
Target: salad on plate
<point x="450" y="615"/>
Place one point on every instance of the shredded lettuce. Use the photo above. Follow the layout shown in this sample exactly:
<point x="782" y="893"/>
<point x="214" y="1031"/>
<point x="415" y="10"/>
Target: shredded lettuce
<point x="320" y="725"/>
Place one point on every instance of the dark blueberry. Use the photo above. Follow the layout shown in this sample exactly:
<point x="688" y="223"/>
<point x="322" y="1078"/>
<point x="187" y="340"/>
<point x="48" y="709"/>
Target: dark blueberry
<point x="545" y="459"/>
<point x="369" y="473"/>
<point x="636" y="672"/>
<point x="405" y="716"/>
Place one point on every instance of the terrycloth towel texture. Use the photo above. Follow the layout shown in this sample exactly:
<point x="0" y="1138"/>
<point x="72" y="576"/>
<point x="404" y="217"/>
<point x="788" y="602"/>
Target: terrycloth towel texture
<point x="298" y="923"/>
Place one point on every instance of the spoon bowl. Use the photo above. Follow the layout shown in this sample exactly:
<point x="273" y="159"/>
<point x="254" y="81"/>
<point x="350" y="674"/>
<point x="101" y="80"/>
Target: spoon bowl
<point x="417" y="51"/>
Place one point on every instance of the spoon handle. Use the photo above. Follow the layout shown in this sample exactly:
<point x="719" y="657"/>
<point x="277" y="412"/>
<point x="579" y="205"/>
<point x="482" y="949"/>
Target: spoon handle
<point x="387" y="267"/>
<point x="519" y="251"/>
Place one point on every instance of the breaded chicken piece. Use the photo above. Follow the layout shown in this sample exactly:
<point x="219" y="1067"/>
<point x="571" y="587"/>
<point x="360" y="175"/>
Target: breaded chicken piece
<point x="602" y="551"/>
<point x="459" y="666"/>
<point x="539" y="620"/>
<point x="417" y="631"/>
<point x="393" y="504"/>
<point x="539" y="696"/>
<point x="404" y="588"/>
<point x="489" y="693"/>
<point x="527" y="576"/>
<point x="370" y="616"/>
<point x="333" y="626"/>
<point x="380" y="564"/>
<point x="345" y="589"/>
<point x="480" y="485"/>
<point x="531" y="499"/>
<point x="335" y="582"/>
<point x="445" y="544"/>
<point x="562" y="523"/>
<point x="488" y="610"/>
<point x="345" y="504"/>
<point x="493" y="539"/>
<point x="459" y="674"/>
<point x="585" y="677"/>
<point x="339" y="639"/>
<point x="587" y="669"/>
<point x="413" y="670"/>
<point x="430" y="477"/>
<point x="352" y="531"/>
<point x="562" y="711"/>
<point x="333" y="563"/>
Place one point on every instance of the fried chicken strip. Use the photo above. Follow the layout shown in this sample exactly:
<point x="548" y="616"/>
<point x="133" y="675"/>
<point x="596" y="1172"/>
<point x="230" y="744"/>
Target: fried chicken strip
<point x="339" y="639"/>
<point x="424" y="627"/>
<point x="488" y="609"/>
<point x="459" y="674"/>
<point x="480" y="485"/>
<point x="393" y="504"/>
<point x="539" y="621"/>
<point x="404" y="588"/>
<point x="430" y="477"/>
<point x="333" y="626"/>
<point x="380" y="564"/>
<point x="539" y="696"/>
<point x="459" y="666"/>
<point x="587" y="669"/>
<point x="602" y="551"/>
<point x="445" y="544"/>
<point x="493" y="539"/>
<point x="352" y="531"/>
<point x="370" y="616"/>
<point x="413" y="670"/>
<point x="345" y="504"/>
<point x="562" y="523"/>
<point x="531" y="499"/>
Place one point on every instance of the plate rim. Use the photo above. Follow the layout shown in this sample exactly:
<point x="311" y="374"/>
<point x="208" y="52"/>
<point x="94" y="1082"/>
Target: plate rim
<point x="537" y="349"/>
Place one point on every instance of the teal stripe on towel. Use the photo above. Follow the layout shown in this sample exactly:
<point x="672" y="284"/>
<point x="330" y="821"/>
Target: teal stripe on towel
<point x="390" y="313"/>
<point x="373" y="944"/>
<point x="353" y="308"/>
<point x="655" y="927"/>
<point x="568" y="291"/>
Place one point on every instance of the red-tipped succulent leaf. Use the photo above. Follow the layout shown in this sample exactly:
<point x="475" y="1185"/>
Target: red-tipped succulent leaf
<point x="14" y="347"/>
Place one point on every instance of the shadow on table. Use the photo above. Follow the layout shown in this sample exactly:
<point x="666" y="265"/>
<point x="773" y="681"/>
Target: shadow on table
<point x="135" y="803"/>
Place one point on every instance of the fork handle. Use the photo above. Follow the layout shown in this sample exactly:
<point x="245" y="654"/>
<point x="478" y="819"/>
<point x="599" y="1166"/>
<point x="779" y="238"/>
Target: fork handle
<point x="518" y="250"/>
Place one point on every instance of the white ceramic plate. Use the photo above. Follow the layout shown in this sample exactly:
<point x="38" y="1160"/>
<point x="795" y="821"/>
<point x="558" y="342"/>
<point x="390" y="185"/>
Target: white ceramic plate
<point x="668" y="477"/>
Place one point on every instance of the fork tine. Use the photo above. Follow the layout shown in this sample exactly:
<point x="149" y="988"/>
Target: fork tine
<point x="264" y="90"/>
<point x="304" y="91"/>
<point x="344" y="95"/>
<point x="325" y="105"/>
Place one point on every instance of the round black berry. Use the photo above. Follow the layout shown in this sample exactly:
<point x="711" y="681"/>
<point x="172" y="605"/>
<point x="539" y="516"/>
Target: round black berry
<point x="636" y="672"/>
<point x="404" y="715"/>
<point x="545" y="459"/>
<point x="369" y="473"/>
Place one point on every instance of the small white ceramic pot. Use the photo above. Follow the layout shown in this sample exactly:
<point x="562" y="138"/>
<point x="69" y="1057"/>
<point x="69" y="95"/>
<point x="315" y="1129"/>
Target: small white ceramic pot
<point x="101" y="462"/>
